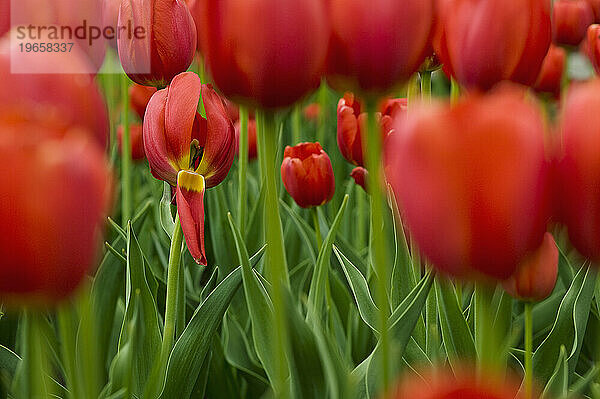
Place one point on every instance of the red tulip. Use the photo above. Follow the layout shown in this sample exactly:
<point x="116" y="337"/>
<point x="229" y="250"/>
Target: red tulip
<point x="571" y="20"/>
<point x="377" y="44"/>
<point x="472" y="182"/>
<point x="550" y="79"/>
<point x="535" y="277"/>
<point x="136" y="139"/>
<point x="579" y="167"/>
<point x="165" y="44"/>
<point x="593" y="46"/>
<point x="307" y="174"/>
<point x="268" y="53"/>
<point x="361" y="177"/>
<point x="484" y="42"/>
<point x="312" y="112"/>
<point x="252" y="148"/>
<point x="139" y="96"/>
<point x="595" y="5"/>
<point x="187" y="151"/>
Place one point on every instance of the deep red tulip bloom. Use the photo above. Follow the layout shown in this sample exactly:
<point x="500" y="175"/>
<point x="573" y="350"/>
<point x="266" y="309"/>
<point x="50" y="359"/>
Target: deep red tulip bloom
<point x="377" y="44"/>
<point x="139" y="97"/>
<point x="536" y="275"/>
<point x="579" y="167"/>
<point x="307" y="174"/>
<point x="268" y="53"/>
<point x="593" y="46"/>
<point x="361" y="177"/>
<point x="472" y="182"/>
<point x="571" y="20"/>
<point x="252" y="147"/>
<point x="168" y="44"/>
<point x="551" y="75"/>
<point x="187" y="151"/>
<point x="51" y="213"/>
<point x="136" y="139"/>
<point x="484" y="42"/>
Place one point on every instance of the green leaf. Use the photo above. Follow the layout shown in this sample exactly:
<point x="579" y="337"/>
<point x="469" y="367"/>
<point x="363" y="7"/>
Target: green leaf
<point x="558" y="384"/>
<point x="304" y="230"/>
<point x="191" y="348"/>
<point x="9" y="360"/>
<point x="237" y="349"/>
<point x="166" y="218"/>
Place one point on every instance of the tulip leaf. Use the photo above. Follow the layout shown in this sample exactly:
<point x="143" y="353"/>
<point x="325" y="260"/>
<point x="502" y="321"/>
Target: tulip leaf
<point x="304" y="230"/>
<point x="236" y="349"/>
<point x="166" y="217"/>
<point x="558" y="384"/>
<point x="9" y="360"/>
<point x="569" y="326"/>
<point x="190" y="350"/>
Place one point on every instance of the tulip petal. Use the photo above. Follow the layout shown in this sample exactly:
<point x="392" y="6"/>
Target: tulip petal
<point x="190" y="207"/>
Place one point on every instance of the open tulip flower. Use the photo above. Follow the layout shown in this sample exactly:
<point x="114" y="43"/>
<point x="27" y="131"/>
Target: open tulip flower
<point x="187" y="151"/>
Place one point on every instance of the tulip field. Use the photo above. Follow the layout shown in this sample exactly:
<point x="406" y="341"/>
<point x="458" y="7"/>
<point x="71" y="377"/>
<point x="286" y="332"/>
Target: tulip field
<point x="345" y="199"/>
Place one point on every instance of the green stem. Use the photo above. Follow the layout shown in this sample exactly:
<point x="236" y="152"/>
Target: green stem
<point x="412" y="90"/>
<point x="126" y="205"/>
<point x="528" y="351"/>
<point x="426" y="86"/>
<point x="296" y="122"/>
<point x="243" y="167"/>
<point x="361" y="218"/>
<point x="68" y="339"/>
<point x="378" y="249"/>
<point x="454" y="91"/>
<point x="431" y="338"/>
<point x="484" y="334"/>
<point x="315" y="214"/>
<point x="324" y="103"/>
<point x="31" y="373"/>
<point x="275" y="260"/>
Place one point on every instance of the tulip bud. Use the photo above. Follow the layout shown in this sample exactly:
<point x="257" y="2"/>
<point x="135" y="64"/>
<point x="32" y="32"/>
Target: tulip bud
<point x="307" y="174"/>
<point x="377" y="44"/>
<point x="361" y="177"/>
<point x="136" y="139"/>
<point x="571" y="20"/>
<point x="536" y="275"/>
<point x="478" y="56"/>
<point x="579" y="167"/>
<point x="252" y="148"/>
<point x="139" y="97"/>
<point x="162" y="42"/>
<point x="269" y="53"/>
<point x="472" y="181"/>
<point x="550" y="79"/>
<point x="593" y="46"/>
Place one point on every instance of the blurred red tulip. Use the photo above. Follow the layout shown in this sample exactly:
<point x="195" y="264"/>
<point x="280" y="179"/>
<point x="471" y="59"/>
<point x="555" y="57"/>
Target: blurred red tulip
<point x="472" y="182"/>
<point x="139" y="97"/>
<point x="165" y="48"/>
<point x="312" y="112"/>
<point x="595" y="5"/>
<point x="535" y="277"/>
<point x="482" y="43"/>
<point x="252" y="148"/>
<point x="52" y="214"/>
<point x="361" y="177"/>
<point x="377" y="44"/>
<point x="268" y="53"/>
<point x="187" y="151"/>
<point x="136" y="139"/>
<point x="307" y="174"/>
<point x="111" y="18"/>
<point x="579" y="167"/>
<point x="551" y="75"/>
<point x="571" y="20"/>
<point x="592" y="48"/>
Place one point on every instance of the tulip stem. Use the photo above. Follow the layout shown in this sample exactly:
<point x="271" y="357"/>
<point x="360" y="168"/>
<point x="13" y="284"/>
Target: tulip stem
<point x="378" y="248"/>
<point x="528" y="350"/>
<point x="243" y="166"/>
<point x="296" y="121"/>
<point x="426" y="85"/>
<point x="31" y="372"/>
<point x="484" y="334"/>
<point x="454" y="91"/>
<point x="125" y="155"/>
<point x="315" y="214"/>
<point x="360" y="225"/>
<point x="324" y="103"/>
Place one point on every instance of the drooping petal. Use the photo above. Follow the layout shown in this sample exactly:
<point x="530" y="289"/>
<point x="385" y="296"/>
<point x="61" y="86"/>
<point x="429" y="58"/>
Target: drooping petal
<point x="190" y="207"/>
<point x="218" y="140"/>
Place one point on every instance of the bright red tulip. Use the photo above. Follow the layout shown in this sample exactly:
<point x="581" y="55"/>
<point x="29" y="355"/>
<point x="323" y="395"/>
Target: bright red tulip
<point x="136" y="139"/>
<point x="307" y="174"/>
<point x="593" y="46"/>
<point x="473" y="182"/>
<point x="482" y="43"/>
<point x="377" y="44"/>
<point x="268" y="53"/>
<point x="139" y="97"/>
<point x="536" y="276"/>
<point x="571" y="20"/>
<point x="165" y="48"/>
<point x="252" y="147"/>
<point x="187" y="151"/>
<point x="579" y="167"/>
<point x="551" y="75"/>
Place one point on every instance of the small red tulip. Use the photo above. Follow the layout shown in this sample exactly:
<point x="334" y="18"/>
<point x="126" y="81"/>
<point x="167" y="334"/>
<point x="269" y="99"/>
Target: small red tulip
<point x="472" y="182"/>
<point x="187" y="151"/>
<point x="252" y="147"/>
<point x="139" y="97"/>
<point x="551" y="75"/>
<point x="379" y="43"/>
<point x="268" y="53"/>
<point x="482" y="43"/>
<point x="312" y="112"/>
<point x="361" y="177"/>
<point x="307" y="174"/>
<point x="536" y="275"/>
<point x="166" y="42"/>
<point x="592" y="48"/>
<point x="579" y="167"/>
<point x="571" y="20"/>
<point x="136" y="139"/>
